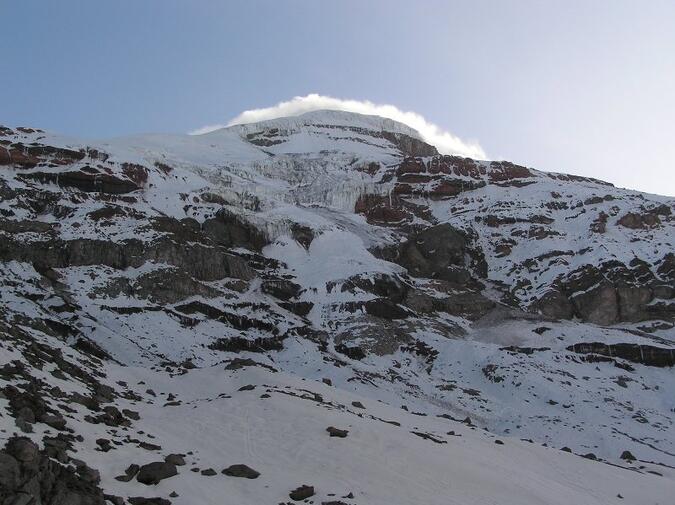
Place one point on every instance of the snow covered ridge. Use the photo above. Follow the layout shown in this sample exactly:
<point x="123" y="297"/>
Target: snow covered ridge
<point x="329" y="119"/>
<point x="292" y="309"/>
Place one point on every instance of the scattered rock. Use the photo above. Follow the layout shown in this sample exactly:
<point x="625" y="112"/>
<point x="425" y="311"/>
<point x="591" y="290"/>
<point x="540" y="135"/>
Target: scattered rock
<point x="152" y="473"/>
<point x="115" y="500"/>
<point x="139" y="500"/>
<point x="129" y="473"/>
<point x="628" y="456"/>
<point x="103" y="444"/>
<point x="131" y="414"/>
<point x="175" y="459"/>
<point x="301" y="493"/>
<point x="336" y="432"/>
<point x="149" y="446"/>
<point x="241" y="471"/>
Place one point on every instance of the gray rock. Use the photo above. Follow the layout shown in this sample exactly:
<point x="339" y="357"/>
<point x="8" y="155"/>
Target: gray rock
<point x="175" y="459"/>
<point x="337" y="432"/>
<point x="9" y="472"/>
<point x="628" y="456"/>
<point x="154" y="472"/>
<point x="430" y="253"/>
<point x="129" y="473"/>
<point x="23" y="449"/>
<point x="301" y="493"/>
<point x="140" y="500"/>
<point x="241" y="471"/>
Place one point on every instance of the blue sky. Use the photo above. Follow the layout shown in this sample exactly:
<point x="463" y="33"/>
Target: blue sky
<point x="575" y="86"/>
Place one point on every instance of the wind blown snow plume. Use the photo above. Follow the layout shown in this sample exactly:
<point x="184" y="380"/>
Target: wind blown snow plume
<point x="444" y="141"/>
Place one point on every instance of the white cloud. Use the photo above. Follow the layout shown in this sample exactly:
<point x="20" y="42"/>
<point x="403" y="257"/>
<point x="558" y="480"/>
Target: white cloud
<point x="445" y="142"/>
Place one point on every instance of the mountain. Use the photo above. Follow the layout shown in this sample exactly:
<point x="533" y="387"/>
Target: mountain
<point x="329" y="301"/>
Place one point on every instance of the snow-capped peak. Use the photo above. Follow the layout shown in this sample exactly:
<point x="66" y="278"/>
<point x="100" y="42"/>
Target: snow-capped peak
<point x="327" y="119"/>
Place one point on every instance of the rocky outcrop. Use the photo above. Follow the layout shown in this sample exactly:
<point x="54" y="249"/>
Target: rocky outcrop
<point x="92" y="181"/>
<point x="437" y="252"/>
<point x="201" y="261"/>
<point x="648" y="355"/>
<point x="230" y="230"/>
<point x="29" y="156"/>
<point x="153" y="473"/>
<point x="29" y="475"/>
<point x="242" y="471"/>
<point x="609" y="293"/>
<point x="242" y="344"/>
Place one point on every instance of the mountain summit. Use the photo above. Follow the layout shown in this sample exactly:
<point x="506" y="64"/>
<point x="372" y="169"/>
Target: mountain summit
<point x="323" y="307"/>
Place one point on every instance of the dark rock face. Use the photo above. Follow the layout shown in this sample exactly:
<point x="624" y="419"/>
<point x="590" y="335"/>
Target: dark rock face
<point x="228" y="229"/>
<point x="154" y="472"/>
<point x="240" y="344"/>
<point x="469" y="304"/>
<point x="202" y="262"/>
<point x="556" y="305"/>
<point x="353" y="352"/>
<point x="643" y="220"/>
<point x="432" y="251"/>
<point x="241" y="471"/>
<point x="599" y="305"/>
<point x="609" y="293"/>
<point x="281" y="288"/>
<point x="28" y="475"/>
<point x="25" y="156"/>
<point x="384" y="308"/>
<point x="88" y="182"/>
<point x="644" y="354"/>
<point x="410" y="145"/>
<point x="301" y="309"/>
<point x="385" y="286"/>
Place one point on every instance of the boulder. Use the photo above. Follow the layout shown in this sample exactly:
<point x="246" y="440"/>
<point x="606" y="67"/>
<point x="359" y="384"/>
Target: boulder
<point x="337" y="432"/>
<point x="301" y="493"/>
<point x="241" y="471"/>
<point x="153" y="473"/>
<point x="627" y="456"/>
<point x="175" y="459"/>
<point x="22" y="449"/>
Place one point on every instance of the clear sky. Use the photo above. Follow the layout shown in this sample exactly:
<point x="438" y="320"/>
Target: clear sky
<point x="585" y="87"/>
